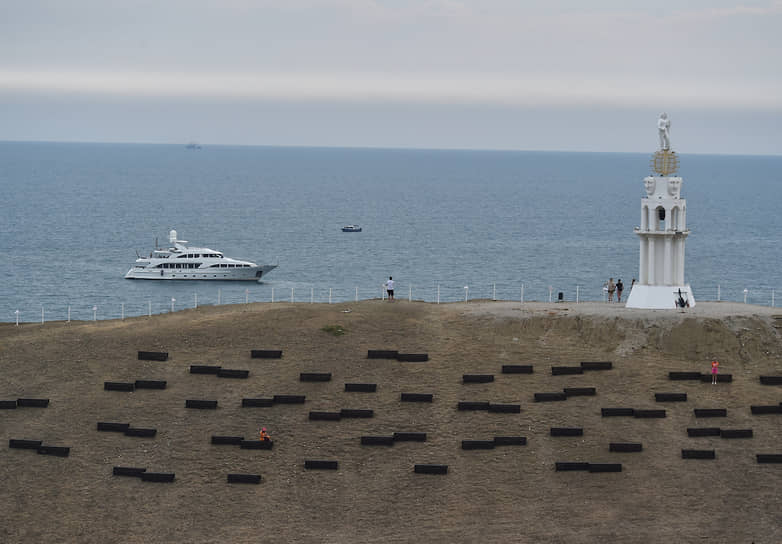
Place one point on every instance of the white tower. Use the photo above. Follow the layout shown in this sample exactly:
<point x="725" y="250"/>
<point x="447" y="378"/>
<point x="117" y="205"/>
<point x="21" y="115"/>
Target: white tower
<point x="662" y="233"/>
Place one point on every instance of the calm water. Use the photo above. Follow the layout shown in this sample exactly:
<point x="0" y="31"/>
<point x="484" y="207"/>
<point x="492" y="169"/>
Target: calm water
<point x="73" y="216"/>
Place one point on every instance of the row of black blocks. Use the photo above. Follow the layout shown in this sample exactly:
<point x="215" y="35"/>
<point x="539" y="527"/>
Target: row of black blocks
<point x="276" y="399"/>
<point x="142" y="473"/>
<point x="491" y="444"/>
<point x="23" y="403"/>
<point x="393" y="354"/>
<point x="152" y="355"/>
<point x="566" y="393"/>
<point x="219" y="371"/>
<point x="489" y="407"/>
<point x="126" y="429"/>
<point x="344" y="413"/>
<point x="587" y="467"/>
<point x="132" y="386"/>
<point x="699" y="376"/>
<point x="266" y="354"/>
<point x="242" y="443"/>
<point x="38" y="446"/>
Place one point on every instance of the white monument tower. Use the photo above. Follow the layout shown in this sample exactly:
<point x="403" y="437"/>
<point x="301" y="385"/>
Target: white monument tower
<point x="663" y="232"/>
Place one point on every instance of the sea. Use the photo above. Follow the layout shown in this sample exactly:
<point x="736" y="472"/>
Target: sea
<point x="448" y="225"/>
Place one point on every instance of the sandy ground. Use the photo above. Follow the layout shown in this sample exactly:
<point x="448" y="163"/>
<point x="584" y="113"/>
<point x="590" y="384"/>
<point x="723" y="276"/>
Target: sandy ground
<point x="509" y="494"/>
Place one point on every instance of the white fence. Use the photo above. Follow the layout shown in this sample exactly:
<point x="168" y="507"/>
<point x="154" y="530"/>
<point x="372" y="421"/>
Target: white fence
<point x="438" y="293"/>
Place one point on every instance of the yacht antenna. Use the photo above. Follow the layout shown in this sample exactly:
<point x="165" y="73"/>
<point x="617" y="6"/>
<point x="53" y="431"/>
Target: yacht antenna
<point x="156" y="243"/>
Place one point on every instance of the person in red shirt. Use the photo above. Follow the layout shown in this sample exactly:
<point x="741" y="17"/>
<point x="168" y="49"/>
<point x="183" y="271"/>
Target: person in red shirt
<point x="715" y="366"/>
<point x="264" y="435"/>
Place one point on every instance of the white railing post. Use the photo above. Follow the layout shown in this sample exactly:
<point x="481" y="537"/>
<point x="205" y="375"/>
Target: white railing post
<point x="382" y="292"/>
<point x="772" y="298"/>
<point x="173" y="300"/>
<point x="466" y="290"/>
<point x="329" y="295"/>
<point x="438" y="293"/>
<point x="522" y="293"/>
<point x="123" y="311"/>
<point x="149" y="308"/>
<point x="718" y="292"/>
<point x="272" y="294"/>
<point x="356" y="294"/>
<point x="550" y="290"/>
<point x="576" y="294"/>
<point x="69" y="314"/>
<point x="746" y="291"/>
<point x="292" y="294"/>
<point x="410" y="294"/>
<point x="494" y="291"/>
<point x="246" y="296"/>
<point x="41" y="314"/>
<point x="312" y="295"/>
<point x="94" y="313"/>
<point x="17" y="317"/>
<point x="220" y="294"/>
<point x="196" y="300"/>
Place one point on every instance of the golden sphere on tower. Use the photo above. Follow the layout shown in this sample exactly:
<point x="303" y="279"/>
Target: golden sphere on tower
<point x="665" y="162"/>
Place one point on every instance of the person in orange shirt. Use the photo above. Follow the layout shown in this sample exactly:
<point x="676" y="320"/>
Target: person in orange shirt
<point x="264" y="435"/>
<point x="715" y="366"/>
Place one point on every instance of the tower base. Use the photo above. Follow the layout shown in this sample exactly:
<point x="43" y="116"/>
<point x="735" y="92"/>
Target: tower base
<point x="659" y="297"/>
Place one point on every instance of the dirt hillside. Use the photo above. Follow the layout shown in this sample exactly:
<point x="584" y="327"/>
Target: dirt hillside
<point x="506" y="494"/>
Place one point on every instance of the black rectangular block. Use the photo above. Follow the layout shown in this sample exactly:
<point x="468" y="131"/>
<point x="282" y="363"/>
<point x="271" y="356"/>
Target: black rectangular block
<point x="204" y="369"/>
<point x="510" y="441"/>
<point x="721" y="378"/>
<point x="477" y="444"/>
<point x="57" y="451"/>
<point x="562" y="466"/>
<point x="152" y="355"/>
<point x="17" y="443"/>
<point x="517" y="369"/>
<point x="417" y="397"/>
<point x="157" y="476"/>
<point x="128" y="471"/>
<point x="229" y="440"/>
<point x="580" y="391"/>
<point x="711" y="412"/>
<point x="315" y="377"/>
<point x="698" y="454"/>
<point x="256" y="444"/>
<point x="410" y="437"/>
<point x="773" y="409"/>
<point x="736" y="433"/>
<point x="473" y="405"/>
<point x="382" y="354"/>
<point x="361" y="387"/>
<point x="244" y="478"/>
<point x="597" y="365"/>
<point x="616" y="412"/>
<point x="325" y="416"/>
<point x="377" y="440"/>
<point x="348" y="413"/>
<point x="321" y="465"/>
<point x="477" y="378"/>
<point x="112" y="427"/>
<point x="549" y="397"/>
<point x="648" y="414"/>
<point x="605" y="467"/>
<point x="684" y="376"/>
<point x="625" y="447"/>
<point x="566" y="370"/>
<point x="769" y="457"/>
<point x="266" y="354"/>
<point x="118" y="386"/>
<point x="133" y="431"/>
<point x="504" y="408"/>
<point x="201" y="404"/>
<point x="670" y="397"/>
<point x="150" y="384"/>
<point x="566" y="431"/>
<point x="412" y="357"/>
<point x="257" y="403"/>
<point x="233" y="373"/>
<point x="7" y="405"/>
<point x="32" y="403"/>
<point x="289" y="399"/>
<point x="695" y="432"/>
<point x="431" y="469"/>
<point x="771" y="380"/>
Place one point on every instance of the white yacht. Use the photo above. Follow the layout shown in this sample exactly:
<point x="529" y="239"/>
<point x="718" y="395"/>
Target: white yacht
<point x="181" y="262"/>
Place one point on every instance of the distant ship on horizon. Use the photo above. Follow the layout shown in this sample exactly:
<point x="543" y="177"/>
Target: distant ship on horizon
<point x="193" y="145"/>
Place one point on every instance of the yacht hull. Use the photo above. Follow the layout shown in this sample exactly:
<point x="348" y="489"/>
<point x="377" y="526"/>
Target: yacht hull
<point x="230" y="274"/>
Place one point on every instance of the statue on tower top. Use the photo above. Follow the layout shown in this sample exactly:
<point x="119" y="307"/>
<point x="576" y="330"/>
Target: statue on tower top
<point x="664" y="130"/>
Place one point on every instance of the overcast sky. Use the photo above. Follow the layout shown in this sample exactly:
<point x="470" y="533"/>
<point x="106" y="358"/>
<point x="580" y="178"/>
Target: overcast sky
<point x="483" y="74"/>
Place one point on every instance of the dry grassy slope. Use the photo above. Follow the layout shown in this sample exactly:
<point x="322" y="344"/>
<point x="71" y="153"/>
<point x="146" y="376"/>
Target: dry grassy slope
<point x="508" y="494"/>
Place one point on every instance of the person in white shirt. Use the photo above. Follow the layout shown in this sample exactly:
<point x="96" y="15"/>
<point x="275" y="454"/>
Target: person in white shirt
<point x="390" y="289"/>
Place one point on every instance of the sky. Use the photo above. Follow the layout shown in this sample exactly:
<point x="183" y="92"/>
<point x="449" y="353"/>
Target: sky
<point x="563" y="75"/>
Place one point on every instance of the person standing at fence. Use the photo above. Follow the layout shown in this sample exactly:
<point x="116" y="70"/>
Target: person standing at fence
<point x="619" y="288"/>
<point x="390" y="289"/>
<point x="715" y="368"/>
<point x="611" y="288"/>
